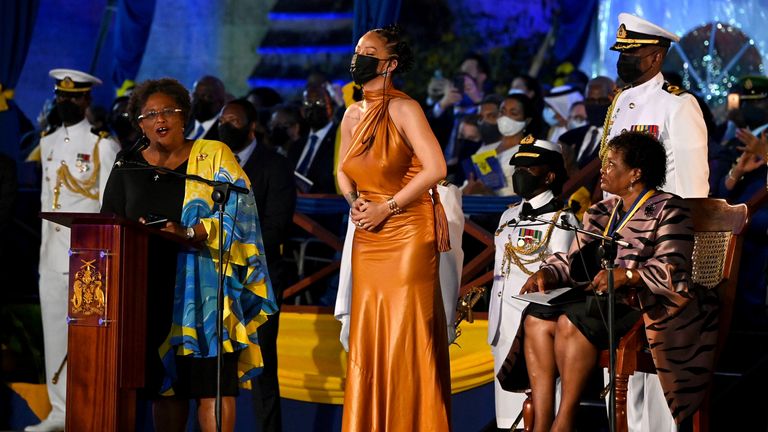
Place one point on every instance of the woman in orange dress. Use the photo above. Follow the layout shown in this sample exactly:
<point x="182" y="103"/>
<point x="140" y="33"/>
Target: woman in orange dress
<point x="398" y="373"/>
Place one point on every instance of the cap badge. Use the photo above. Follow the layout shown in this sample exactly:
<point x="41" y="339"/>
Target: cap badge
<point x="67" y="83"/>
<point x="528" y="140"/>
<point x="622" y="32"/>
<point x="748" y="84"/>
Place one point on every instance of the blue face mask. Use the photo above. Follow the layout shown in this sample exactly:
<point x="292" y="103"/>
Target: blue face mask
<point x="550" y="116"/>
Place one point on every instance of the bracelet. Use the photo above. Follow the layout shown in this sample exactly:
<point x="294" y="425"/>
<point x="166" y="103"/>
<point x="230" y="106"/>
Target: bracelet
<point x="730" y="175"/>
<point x="393" y="207"/>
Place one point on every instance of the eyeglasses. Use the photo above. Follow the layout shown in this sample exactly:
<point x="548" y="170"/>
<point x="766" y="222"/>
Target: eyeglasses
<point x="152" y="115"/>
<point x="310" y="104"/>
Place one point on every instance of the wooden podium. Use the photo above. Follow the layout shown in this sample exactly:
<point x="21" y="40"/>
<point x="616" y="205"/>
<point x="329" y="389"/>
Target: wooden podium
<point x="106" y="319"/>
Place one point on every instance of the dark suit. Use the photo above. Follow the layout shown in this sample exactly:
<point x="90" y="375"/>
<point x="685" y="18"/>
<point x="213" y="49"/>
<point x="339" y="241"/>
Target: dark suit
<point x="213" y="132"/>
<point x="575" y="139"/>
<point x="273" y="187"/>
<point x="321" y="169"/>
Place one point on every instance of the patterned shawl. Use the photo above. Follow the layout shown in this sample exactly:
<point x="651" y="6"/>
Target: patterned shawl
<point x="249" y="298"/>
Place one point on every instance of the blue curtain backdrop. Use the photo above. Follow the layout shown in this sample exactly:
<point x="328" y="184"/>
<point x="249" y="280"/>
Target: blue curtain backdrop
<point x="574" y="24"/>
<point x="372" y="14"/>
<point x="132" y="24"/>
<point x="17" y="20"/>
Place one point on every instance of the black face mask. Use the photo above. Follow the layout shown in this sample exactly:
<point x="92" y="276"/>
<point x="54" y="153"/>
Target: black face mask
<point x="525" y="183"/>
<point x="489" y="133"/>
<point x="69" y="112"/>
<point x="363" y="68"/>
<point x="596" y="113"/>
<point x="203" y="110"/>
<point x="279" y="136"/>
<point x="121" y="125"/>
<point x="753" y="116"/>
<point x="317" y="117"/>
<point x="628" y="68"/>
<point x="236" y="139"/>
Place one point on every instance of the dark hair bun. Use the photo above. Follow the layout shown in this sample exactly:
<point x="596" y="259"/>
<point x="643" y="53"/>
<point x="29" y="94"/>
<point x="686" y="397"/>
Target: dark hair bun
<point x="397" y="46"/>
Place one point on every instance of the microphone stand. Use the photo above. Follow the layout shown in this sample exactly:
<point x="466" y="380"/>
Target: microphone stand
<point x="608" y="252"/>
<point x="220" y="195"/>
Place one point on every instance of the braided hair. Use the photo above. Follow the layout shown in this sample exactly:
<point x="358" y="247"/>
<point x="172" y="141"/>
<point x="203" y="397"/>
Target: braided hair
<point x="397" y="46"/>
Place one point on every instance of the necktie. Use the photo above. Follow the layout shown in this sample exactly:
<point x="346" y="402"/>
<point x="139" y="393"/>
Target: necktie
<point x="586" y="151"/>
<point x="198" y="132"/>
<point x="304" y="165"/>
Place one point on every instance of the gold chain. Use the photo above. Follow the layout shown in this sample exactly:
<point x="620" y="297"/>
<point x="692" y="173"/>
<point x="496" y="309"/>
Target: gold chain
<point x="81" y="187"/>
<point x="511" y="252"/>
<point x="606" y="125"/>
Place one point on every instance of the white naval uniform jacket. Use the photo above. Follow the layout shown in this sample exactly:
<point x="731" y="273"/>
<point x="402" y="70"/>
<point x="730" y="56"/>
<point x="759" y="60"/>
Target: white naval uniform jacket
<point x="514" y="230"/>
<point x="676" y="121"/>
<point x="77" y="154"/>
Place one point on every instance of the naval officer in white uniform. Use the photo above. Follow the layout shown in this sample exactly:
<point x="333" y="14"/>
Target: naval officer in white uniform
<point x="75" y="166"/>
<point x="651" y="105"/>
<point x="521" y="246"/>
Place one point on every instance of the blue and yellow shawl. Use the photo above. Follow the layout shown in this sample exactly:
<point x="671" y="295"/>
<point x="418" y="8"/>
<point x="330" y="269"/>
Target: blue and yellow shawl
<point x="249" y="298"/>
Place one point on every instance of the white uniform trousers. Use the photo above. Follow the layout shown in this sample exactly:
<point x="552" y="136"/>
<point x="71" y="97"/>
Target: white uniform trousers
<point x="508" y="404"/>
<point x="647" y="409"/>
<point x="53" y="308"/>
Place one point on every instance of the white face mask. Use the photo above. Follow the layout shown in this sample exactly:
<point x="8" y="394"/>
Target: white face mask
<point x="509" y="126"/>
<point x="576" y="123"/>
<point x="550" y="116"/>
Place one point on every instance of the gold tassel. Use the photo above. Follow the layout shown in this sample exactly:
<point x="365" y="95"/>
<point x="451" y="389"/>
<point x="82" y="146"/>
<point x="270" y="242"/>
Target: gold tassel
<point x="441" y="224"/>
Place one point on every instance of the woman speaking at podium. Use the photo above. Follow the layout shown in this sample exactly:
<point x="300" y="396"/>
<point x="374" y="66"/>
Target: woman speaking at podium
<point x="182" y="284"/>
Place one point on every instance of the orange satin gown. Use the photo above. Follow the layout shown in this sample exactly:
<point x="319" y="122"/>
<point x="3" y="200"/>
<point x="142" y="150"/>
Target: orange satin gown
<point x="398" y="373"/>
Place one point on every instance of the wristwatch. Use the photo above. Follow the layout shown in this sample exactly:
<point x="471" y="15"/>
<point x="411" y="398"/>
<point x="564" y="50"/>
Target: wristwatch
<point x="190" y="233"/>
<point x="630" y="275"/>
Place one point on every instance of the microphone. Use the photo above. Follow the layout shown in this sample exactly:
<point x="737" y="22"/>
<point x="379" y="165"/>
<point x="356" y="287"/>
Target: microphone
<point x="137" y="147"/>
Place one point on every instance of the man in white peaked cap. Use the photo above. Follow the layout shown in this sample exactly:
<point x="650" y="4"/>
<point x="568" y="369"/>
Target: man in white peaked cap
<point x="648" y="104"/>
<point x="75" y="166"/>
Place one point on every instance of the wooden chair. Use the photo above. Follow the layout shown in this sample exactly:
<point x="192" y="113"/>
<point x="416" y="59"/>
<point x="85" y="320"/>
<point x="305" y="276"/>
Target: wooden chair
<point x="718" y="227"/>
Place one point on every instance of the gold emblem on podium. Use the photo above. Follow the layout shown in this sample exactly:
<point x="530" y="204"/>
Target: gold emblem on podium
<point x="87" y="290"/>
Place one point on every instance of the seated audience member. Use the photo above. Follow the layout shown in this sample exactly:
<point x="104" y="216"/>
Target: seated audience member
<point x="315" y="157"/>
<point x="581" y="145"/>
<point x="532" y="88"/>
<point x="208" y="97"/>
<point x="286" y="128"/>
<point x="558" y="104"/>
<point x="565" y="340"/>
<point x="511" y="124"/>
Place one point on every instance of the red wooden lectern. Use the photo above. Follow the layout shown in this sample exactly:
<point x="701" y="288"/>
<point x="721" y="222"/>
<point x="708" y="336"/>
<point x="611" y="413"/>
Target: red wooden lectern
<point x="107" y="305"/>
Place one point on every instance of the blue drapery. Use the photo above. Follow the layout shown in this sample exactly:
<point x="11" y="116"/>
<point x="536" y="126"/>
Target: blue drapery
<point x="132" y="24"/>
<point x="17" y="21"/>
<point x="575" y="21"/>
<point x="372" y="14"/>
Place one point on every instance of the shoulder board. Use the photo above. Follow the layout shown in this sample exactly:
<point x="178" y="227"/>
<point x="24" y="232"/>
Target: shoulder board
<point x="100" y="133"/>
<point x="34" y="155"/>
<point x="49" y="130"/>
<point x="513" y="205"/>
<point x="442" y="182"/>
<point x="673" y="89"/>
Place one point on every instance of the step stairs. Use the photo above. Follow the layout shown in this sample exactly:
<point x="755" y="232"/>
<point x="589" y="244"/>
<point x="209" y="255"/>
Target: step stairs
<point x="304" y="37"/>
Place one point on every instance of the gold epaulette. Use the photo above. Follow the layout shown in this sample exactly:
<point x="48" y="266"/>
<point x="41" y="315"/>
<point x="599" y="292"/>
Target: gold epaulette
<point x="673" y="89"/>
<point x="35" y="155"/>
<point x="100" y="134"/>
